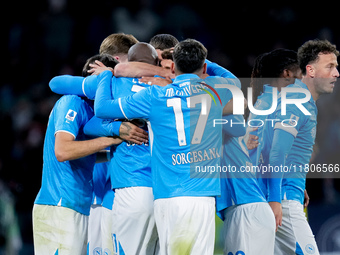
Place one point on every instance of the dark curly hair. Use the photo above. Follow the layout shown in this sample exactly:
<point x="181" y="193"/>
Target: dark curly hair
<point x="310" y="50"/>
<point x="269" y="66"/>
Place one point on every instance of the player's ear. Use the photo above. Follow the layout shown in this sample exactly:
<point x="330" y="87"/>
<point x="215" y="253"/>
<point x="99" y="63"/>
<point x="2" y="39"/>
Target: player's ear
<point x="173" y="67"/>
<point x="310" y="71"/>
<point x="205" y="68"/>
<point x="286" y="73"/>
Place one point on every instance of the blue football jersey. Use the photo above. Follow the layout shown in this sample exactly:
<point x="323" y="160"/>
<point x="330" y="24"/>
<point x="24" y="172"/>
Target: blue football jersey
<point x="100" y="178"/>
<point x="238" y="182"/>
<point x="69" y="183"/>
<point x="265" y="131"/>
<point x="131" y="164"/>
<point x="186" y="147"/>
<point x="303" y="128"/>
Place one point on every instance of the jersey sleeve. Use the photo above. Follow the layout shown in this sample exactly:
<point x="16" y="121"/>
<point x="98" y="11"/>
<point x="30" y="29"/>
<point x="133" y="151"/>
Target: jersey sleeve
<point x="292" y="121"/>
<point x="74" y="85"/>
<point x="104" y="106"/>
<point x="69" y="114"/>
<point x="137" y="105"/>
<point x="235" y="125"/>
<point x="214" y="69"/>
<point x="89" y="86"/>
<point x="97" y="127"/>
<point x="282" y="143"/>
<point x="67" y="85"/>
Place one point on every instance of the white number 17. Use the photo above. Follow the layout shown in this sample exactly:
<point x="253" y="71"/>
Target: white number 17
<point x="176" y="104"/>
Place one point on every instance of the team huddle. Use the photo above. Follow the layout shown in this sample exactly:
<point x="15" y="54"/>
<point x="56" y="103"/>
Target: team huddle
<point x="133" y="157"/>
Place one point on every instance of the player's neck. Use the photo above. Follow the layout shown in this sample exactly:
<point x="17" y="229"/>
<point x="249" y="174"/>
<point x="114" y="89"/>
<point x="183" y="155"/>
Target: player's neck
<point x="310" y="85"/>
<point x="196" y="73"/>
<point x="278" y="84"/>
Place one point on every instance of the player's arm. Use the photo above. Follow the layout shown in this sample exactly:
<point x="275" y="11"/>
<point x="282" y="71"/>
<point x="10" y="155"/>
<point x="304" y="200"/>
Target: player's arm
<point x="104" y="106"/>
<point x="97" y="127"/>
<point x="159" y="81"/>
<point x="283" y="138"/>
<point x="306" y="200"/>
<point x="234" y="126"/>
<point x="74" y="85"/>
<point x="229" y="107"/>
<point x="135" y="106"/>
<point x="282" y="143"/>
<point x="67" y="85"/>
<point x="214" y="69"/>
<point x="139" y="69"/>
<point x="67" y="148"/>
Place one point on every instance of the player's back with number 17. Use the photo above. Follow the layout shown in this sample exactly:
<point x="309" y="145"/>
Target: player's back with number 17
<point x="186" y="144"/>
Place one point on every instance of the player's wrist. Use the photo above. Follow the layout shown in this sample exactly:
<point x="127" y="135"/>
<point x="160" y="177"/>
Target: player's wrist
<point x="275" y="199"/>
<point x="115" y="127"/>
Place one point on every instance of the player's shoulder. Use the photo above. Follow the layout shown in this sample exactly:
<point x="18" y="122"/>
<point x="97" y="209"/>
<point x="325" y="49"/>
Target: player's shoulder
<point x="223" y="80"/>
<point x="130" y="80"/>
<point x="66" y="99"/>
<point x="73" y="101"/>
<point x="296" y="90"/>
<point x="122" y="79"/>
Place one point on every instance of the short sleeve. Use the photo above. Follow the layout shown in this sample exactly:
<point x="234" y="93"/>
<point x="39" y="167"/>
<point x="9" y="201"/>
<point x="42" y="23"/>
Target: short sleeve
<point x="69" y="115"/>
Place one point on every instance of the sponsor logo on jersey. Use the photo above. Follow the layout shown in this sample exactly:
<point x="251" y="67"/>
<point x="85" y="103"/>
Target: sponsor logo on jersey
<point x="71" y="115"/>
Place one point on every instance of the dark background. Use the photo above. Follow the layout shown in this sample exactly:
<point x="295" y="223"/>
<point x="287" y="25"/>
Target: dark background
<point x="45" y="38"/>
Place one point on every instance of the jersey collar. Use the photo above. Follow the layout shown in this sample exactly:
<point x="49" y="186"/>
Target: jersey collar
<point x="268" y="89"/>
<point x="299" y="83"/>
<point x="185" y="78"/>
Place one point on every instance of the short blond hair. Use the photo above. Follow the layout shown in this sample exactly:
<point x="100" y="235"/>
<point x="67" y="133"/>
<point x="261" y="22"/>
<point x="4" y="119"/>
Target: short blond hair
<point x="117" y="44"/>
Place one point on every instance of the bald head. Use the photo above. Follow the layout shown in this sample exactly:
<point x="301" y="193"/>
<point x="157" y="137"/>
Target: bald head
<point x="143" y="52"/>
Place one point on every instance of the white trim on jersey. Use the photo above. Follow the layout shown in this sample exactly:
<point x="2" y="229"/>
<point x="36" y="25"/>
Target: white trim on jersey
<point x="137" y="88"/>
<point x="121" y="108"/>
<point x="150" y="136"/>
<point x="83" y="87"/>
<point x="65" y="132"/>
<point x="288" y="129"/>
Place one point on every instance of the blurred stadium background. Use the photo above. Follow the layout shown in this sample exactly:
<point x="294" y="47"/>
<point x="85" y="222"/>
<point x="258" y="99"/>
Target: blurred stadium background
<point x="45" y="38"/>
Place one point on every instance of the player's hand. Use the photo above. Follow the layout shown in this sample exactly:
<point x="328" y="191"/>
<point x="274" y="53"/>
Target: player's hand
<point x="253" y="141"/>
<point x="277" y="210"/>
<point x="306" y="201"/>
<point x="156" y="81"/>
<point x="133" y="133"/>
<point x="98" y="67"/>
